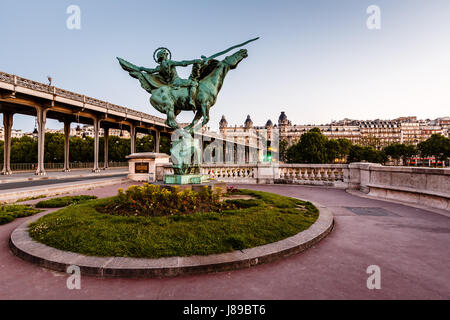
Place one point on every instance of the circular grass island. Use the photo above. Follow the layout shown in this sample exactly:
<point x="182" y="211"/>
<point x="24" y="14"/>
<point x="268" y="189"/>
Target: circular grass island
<point x="153" y="222"/>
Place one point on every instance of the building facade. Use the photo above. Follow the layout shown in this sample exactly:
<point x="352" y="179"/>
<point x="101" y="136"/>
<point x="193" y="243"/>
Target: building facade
<point x="377" y="133"/>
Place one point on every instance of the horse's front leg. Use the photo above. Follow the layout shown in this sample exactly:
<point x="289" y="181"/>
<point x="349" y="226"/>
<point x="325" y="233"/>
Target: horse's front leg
<point x="205" y="114"/>
<point x="170" y="121"/>
<point x="197" y="117"/>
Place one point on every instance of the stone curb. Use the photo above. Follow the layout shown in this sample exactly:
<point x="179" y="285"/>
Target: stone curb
<point x="23" y="246"/>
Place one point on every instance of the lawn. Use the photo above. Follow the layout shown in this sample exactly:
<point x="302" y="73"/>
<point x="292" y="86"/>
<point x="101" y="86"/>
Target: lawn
<point x="63" y="201"/>
<point x="9" y="213"/>
<point x="253" y="222"/>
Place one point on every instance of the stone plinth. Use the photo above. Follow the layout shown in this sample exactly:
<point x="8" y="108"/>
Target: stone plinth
<point x="142" y="166"/>
<point x="182" y="179"/>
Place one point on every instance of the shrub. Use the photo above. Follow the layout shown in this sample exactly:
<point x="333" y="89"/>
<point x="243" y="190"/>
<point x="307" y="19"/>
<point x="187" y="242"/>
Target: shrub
<point x="152" y="200"/>
<point x="10" y="212"/>
<point x="63" y="201"/>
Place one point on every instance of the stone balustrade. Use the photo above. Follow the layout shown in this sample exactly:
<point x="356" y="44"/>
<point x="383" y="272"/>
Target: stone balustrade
<point x="237" y="173"/>
<point x="424" y="186"/>
<point x="313" y="174"/>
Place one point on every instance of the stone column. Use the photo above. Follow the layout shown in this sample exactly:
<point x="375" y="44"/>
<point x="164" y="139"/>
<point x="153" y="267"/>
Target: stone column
<point x="66" y="145"/>
<point x="106" y="146"/>
<point x="41" y="120"/>
<point x="96" y="144"/>
<point x="156" y="138"/>
<point x="7" y="127"/>
<point x="133" y="138"/>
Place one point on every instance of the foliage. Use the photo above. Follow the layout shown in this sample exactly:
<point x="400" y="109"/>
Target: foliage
<point x="344" y="147"/>
<point x="23" y="150"/>
<point x="436" y="146"/>
<point x="63" y="201"/>
<point x="370" y="141"/>
<point x="399" y="151"/>
<point x="310" y="148"/>
<point x="283" y="147"/>
<point x="315" y="147"/>
<point x="370" y="154"/>
<point x="10" y="212"/>
<point x="152" y="200"/>
<point x="83" y="229"/>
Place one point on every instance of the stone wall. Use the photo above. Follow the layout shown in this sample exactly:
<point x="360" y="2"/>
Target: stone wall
<point x="425" y="186"/>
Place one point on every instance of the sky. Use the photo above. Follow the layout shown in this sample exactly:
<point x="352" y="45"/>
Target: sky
<point x="316" y="60"/>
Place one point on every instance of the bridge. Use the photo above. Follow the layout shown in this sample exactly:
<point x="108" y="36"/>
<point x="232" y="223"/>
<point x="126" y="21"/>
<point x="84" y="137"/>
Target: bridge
<point x="23" y="96"/>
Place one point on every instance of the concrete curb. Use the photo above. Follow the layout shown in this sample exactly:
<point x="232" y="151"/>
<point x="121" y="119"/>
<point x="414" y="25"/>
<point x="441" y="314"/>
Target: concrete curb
<point x="26" y="248"/>
<point x="57" y="189"/>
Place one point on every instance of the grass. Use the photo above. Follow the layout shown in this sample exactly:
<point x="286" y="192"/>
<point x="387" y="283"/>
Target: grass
<point x="63" y="201"/>
<point x="9" y="213"/>
<point x="265" y="219"/>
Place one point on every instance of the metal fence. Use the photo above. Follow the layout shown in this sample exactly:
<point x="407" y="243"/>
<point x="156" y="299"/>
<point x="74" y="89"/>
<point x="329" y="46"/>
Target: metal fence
<point x="73" y="165"/>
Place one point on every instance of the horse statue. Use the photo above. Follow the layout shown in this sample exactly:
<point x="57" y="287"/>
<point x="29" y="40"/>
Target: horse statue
<point x="171" y="95"/>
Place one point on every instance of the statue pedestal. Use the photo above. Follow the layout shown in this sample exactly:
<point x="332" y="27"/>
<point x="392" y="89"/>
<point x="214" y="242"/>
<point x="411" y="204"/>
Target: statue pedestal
<point x="185" y="178"/>
<point x="142" y="166"/>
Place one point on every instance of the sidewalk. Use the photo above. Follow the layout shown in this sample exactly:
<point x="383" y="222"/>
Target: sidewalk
<point x="410" y="245"/>
<point x="26" y="186"/>
<point x="55" y="175"/>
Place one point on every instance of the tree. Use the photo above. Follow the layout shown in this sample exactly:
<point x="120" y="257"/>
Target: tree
<point x="283" y="146"/>
<point x="165" y="142"/>
<point x="24" y="150"/>
<point x="333" y="151"/>
<point x="145" y="144"/>
<point x="366" y="153"/>
<point x="408" y="152"/>
<point x="436" y="146"/>
<point x="370" y="141"/>
<point x="310" y="149"/>
<point x="393" y="151"/>
<point x="54" y="147"/>
<point x="344" y="147"/>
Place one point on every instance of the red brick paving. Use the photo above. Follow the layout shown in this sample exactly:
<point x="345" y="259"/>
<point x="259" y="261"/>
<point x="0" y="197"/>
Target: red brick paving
<point x="412" y="251"/>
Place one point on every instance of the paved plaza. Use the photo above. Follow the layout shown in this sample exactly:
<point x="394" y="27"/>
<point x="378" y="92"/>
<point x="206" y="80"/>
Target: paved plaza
<point x="409" y="244"/>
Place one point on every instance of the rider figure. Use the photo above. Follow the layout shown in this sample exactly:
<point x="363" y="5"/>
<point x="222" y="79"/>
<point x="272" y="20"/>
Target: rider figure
<point x="167" y="70"/>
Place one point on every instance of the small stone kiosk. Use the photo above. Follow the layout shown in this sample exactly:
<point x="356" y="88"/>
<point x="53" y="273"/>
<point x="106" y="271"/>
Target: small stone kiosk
<point x="143" y="166"/>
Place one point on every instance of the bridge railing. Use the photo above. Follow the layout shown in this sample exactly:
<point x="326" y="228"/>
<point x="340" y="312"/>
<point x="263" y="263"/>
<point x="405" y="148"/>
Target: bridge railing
<point x="73" y="165"/>
<point x="38" y="86"/>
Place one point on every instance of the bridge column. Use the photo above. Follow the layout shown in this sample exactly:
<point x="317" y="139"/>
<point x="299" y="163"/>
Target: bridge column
<point x="156" y="139"/>
<point x="66" y="145"/>
<point x="133" y="138"/>
<point x="41" y="115"/>
<point x="96" y="144"/>
<point x="7" y="127"/>
<point x="106" y="146"/>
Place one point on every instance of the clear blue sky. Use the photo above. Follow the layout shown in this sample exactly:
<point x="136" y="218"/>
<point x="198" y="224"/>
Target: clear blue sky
<point x="316" y="59"/>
